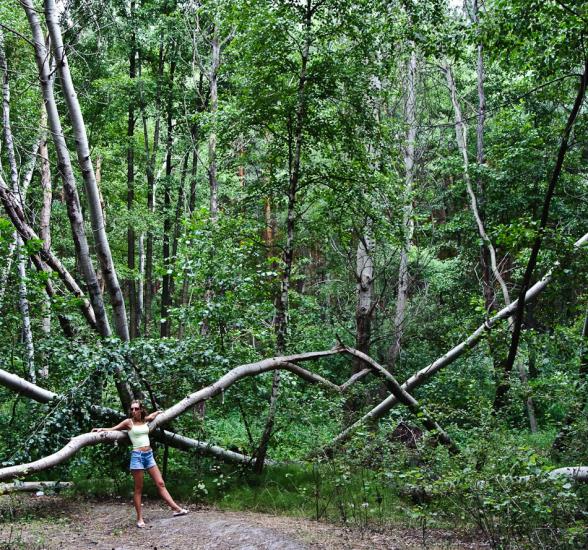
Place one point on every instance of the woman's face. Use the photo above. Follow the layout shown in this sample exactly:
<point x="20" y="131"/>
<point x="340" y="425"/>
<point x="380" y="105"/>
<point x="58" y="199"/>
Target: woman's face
<point x="136" y="411"/>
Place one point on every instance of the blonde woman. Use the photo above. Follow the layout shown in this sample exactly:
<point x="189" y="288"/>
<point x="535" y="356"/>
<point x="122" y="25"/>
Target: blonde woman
<point x="142" y="457"/>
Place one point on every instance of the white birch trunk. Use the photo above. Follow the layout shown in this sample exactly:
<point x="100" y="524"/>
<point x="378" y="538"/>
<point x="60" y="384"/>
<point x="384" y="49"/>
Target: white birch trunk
<point x="19" y="194"/>
<point x="407" y="219"/>
<point x="92" y="192"/>
<point x="45" y="223"/>
<point x="46" y="77"/>
<point x="23" y="304"/>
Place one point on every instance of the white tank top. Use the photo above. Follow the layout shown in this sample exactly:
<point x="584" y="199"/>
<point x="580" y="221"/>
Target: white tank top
<point x="139" y="435"/>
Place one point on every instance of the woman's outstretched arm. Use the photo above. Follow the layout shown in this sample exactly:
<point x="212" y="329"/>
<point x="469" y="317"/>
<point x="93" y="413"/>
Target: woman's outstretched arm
<point x="124" y="425"/>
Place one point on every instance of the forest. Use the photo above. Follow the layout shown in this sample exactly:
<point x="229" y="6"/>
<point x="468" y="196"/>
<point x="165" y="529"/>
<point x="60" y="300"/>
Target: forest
<point x="340" y="245"/>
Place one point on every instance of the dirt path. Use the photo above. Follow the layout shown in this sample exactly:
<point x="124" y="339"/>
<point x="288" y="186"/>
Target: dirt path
<point x="58" y="523"/>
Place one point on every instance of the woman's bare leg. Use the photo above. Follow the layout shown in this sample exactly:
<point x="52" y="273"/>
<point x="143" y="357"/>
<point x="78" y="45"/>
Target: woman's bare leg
<point x="138" y="477"/>
<point x="163" y="492"/>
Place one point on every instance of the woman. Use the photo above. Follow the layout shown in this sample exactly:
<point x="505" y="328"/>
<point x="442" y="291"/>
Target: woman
<point x="142" y="457"/>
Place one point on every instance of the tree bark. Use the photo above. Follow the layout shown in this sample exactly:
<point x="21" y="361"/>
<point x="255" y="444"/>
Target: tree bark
<point x="45" y="226"/>
<point x="364" y="307"/>
<point x="92" y="192"/>
<point x="23" y="304"/>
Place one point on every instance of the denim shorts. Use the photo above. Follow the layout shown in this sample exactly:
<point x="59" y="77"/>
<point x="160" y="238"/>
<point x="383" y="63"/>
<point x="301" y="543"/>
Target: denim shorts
<point x="142" y="460"/>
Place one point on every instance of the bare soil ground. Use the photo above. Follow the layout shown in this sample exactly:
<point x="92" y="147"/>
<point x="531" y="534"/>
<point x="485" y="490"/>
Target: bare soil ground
<point x="54" y="522"/>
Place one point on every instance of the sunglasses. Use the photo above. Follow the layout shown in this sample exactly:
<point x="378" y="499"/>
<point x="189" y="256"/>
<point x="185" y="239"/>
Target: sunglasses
<point x="135" y="408"/>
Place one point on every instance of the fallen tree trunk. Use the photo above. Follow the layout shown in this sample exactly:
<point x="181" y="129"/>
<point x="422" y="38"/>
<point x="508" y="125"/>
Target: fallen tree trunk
<point x="578" y="473"/>
<point x="470" y="342"/>
<point x="285" y="363"/>
<point x="36" y="393"/>
<point x="406" y="399"/>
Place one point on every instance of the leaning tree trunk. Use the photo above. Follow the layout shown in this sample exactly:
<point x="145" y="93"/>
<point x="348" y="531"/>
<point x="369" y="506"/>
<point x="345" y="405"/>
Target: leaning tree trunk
<point x="461" y="138"/>
<point x="288" y="363"/>
<point x="92" y="192"/>
<point x="408" y="220"/>
<point x="41" y="395"/>
<point x="504" y="385"/>
<point x="74" y="211"/>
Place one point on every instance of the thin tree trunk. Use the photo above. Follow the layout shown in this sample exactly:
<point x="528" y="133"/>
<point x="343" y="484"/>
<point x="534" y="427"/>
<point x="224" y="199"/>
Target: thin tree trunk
<point x="166" y="297"/>
<point x="194" y="174"/>
<point x="282" y="302"/>
<point x="191" y="205"/>
<point x="45" y="214"/>
<point x="7" y="134"/>
<point x="408" y="221"/>
<point x="150" y="172"/>
<point x="23" y="303"/>
<point x="19" y="194"/>
<point x="45" y="229"/>
<point x="141" y="285"/>
<point x="363" y="311"/>
<point x="92" y="193"/>
<point x="132" y="291"/>
<point x="461" y="137"/>
<point x="46" y="77"/>
<point x="6" y="271"/>
<point x="213" y="78"/>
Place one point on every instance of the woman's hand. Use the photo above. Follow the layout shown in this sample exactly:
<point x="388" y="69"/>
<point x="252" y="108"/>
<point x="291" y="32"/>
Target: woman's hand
<point x="152" y="416"/>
